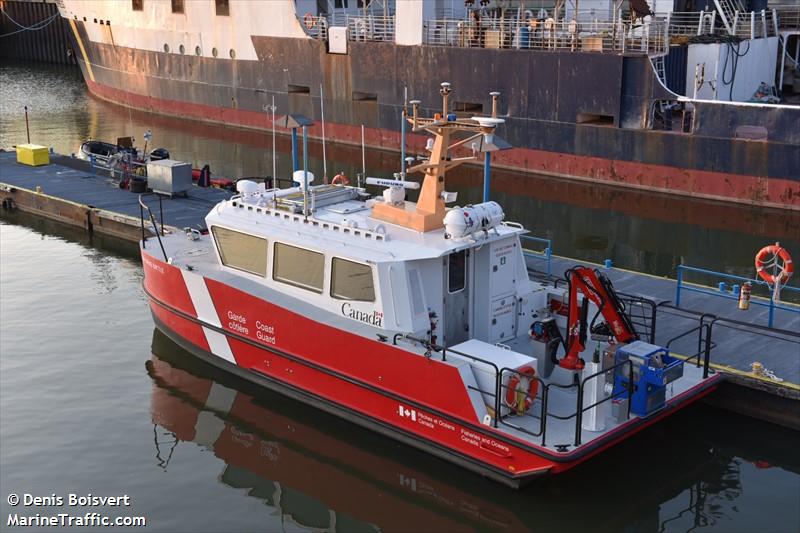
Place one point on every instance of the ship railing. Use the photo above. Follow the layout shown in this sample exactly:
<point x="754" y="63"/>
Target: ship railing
<point x="649" y="37"/>
<point x="788" y="16"/>
<point x="542" y="395"/>
<point x="143" y="207"/>
<point x="728" y="286"/>
<point x="704" y="342"/>
<point x="690" y="23"/>
<point x="360" y="28"/>
<point x="543" y="253"/>
<point x="370" y="28"/>
<point x="781" y="341"/>
<point x="755" y="24"/>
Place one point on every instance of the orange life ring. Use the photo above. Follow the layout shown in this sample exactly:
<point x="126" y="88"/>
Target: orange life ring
<point x="309" y="21"/>
<point x="514" y="395"/>
<point x="778" y="251"/>
<point x="340" y="179"/>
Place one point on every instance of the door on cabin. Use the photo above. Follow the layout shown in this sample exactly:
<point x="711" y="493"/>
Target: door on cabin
<point x="456" y="298"/>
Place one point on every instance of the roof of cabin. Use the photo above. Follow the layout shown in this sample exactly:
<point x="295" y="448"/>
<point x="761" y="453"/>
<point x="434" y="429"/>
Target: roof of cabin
<point x="341" y="225"/>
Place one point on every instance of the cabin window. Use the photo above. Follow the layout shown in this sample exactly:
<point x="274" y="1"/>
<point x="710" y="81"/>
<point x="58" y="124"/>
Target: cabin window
<point x="351" y="281"/>
<point x="177" y="6"/>
<point x="457" y="271"/>
<point x="222" y="8"/>
<point x="241" y="251"/>
<point x="137" y="5"/>
<point x="299" y="267"/>
<point x="415" y="286"/>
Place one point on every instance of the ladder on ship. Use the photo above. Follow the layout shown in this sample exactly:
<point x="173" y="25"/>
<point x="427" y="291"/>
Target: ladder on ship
<point x="727" y="13"/>
<point x="658" y="65"/>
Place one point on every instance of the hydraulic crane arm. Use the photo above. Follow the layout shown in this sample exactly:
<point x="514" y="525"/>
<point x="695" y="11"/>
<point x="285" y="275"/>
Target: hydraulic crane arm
<point x="598" y="289"/>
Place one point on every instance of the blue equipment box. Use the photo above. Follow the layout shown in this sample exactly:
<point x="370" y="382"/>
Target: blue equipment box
<point x="653" y="369"/>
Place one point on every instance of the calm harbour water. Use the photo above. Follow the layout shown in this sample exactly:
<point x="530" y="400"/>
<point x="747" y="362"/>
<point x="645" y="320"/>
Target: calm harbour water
<point x="93" y="400"/>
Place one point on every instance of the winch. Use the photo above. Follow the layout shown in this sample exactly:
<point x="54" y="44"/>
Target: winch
<point x="653" y="370"/>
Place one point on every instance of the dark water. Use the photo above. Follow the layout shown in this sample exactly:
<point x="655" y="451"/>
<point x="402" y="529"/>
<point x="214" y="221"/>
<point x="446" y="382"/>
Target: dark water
<point x="92" y="400"/>
<point x="637" y="230"/>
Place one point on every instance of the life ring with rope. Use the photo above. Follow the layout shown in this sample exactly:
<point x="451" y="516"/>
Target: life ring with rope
<point x="521" y="399"/>
<point x="309" y="21"/>
<point x="768" y="256"/>
<point x="340" y="179"/>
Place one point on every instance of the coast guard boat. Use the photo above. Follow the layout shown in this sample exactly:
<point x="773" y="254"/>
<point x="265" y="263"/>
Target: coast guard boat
<point x="415" y="319"/>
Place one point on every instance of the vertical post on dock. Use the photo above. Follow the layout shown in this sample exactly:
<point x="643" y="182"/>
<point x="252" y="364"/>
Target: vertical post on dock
<point x="305" y="170"/>
<point x="295" y="163"/>
<point x="27" y="127"/>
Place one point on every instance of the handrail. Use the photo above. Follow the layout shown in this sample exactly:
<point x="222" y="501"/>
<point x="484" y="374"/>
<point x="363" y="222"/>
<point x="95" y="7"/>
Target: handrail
<point x="650" y="37"/>
<point x="581" y="387"/>
<point x="542" y="419"/>
<point x="545" y="255"/>
<point x="434" y="347"/>
<point x="721" y="292"/>
<point x="142" y="208"/>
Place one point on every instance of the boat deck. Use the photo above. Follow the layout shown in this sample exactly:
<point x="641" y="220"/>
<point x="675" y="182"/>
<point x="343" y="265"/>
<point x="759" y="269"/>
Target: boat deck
<point x="558" y="435"/>
<point x="736" y="346"/>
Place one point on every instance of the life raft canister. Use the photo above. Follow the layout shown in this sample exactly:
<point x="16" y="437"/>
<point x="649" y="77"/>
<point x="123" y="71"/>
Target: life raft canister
<point x="340" y="179"/>
<point x="774" y="251"/>
<point x="309" y="21"/>
<point x="521" y="399"/>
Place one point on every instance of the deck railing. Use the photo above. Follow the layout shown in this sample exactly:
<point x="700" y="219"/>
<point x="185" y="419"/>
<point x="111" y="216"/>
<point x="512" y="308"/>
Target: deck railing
<point x="546" y="254"/>
<point x="649" y="37"/>
<point x="144" y="207"/>
<point x="361" y="28"/>
<point x="788" y="16"/>
<point x="542" y="394"/>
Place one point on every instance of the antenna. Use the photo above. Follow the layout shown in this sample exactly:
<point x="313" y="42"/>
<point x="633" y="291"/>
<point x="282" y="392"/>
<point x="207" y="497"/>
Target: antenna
<point x="274" y="165"/>
<point x="445" y="92"/>
<point x="322" y="118"/>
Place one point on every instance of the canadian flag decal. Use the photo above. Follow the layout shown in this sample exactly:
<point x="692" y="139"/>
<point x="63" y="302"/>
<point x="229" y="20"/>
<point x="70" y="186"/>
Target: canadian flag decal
<point x="405" y="412"/>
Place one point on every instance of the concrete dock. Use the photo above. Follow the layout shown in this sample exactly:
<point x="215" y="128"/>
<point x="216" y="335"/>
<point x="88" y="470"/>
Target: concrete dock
<point x="69" y="191"/>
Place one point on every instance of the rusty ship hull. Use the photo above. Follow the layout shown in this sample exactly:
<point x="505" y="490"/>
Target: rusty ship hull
<point x="579" y="115"/>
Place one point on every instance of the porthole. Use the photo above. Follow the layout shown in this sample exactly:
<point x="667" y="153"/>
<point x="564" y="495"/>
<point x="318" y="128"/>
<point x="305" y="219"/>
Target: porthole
<point x="197" y="51"/>
<point x="166" y="47"/>
<point x="233" y="53"/>
<point x="214" y="52"/>
<point x="182" y="49"/>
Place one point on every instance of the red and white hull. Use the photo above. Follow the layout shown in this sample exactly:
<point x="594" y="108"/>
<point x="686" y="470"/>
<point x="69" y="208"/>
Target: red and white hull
<point x="416" y="400"/>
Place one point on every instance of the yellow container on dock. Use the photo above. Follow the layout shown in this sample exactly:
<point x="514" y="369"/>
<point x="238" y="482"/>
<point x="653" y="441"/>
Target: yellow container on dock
<point x="32" y="155"/>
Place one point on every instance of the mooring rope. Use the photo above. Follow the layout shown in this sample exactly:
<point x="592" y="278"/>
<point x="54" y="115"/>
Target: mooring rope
<point x="35" y="27"/>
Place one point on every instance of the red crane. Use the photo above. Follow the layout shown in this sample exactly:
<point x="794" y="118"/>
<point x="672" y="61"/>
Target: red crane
<point x="598" y="289"/>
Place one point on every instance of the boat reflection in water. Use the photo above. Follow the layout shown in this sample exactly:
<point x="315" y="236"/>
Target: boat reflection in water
<point x="322" y="473"/>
